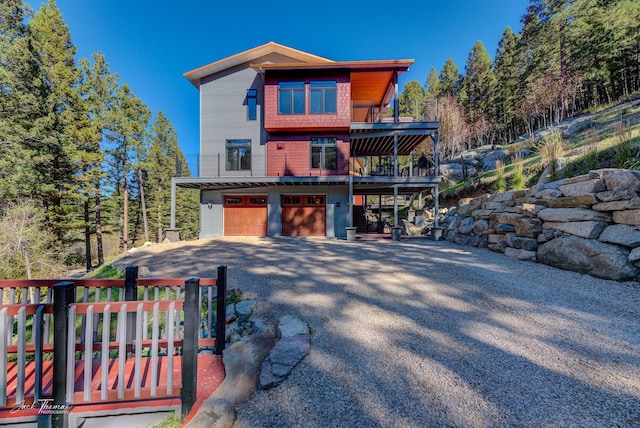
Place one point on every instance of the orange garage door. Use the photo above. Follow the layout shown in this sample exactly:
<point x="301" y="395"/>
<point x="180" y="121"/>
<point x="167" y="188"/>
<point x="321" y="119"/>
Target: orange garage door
<point x="245" y="215"/>
<point x="303" y="215"/>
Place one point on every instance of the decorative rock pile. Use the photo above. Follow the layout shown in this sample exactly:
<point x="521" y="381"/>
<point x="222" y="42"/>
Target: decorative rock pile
<point x="587" y="224"/>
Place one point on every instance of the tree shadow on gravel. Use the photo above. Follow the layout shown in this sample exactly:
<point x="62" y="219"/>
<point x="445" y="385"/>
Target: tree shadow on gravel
<point x="420" y="333"/>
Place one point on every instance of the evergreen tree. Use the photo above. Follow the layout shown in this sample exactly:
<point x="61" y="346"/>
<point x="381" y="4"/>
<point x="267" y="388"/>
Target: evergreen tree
<point x="450" y="79"/>
<point x="127" y="132"/>
<point x="60" y="127"/>
<point x="506" y="97"/>
<point x="165" y="160"/>
<point x="99" y="88"/>
<point x="432" y="87"/>
<point x="411" y="100"/>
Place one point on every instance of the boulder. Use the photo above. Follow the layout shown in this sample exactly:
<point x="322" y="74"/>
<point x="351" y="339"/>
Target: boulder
<point x="509" y="218"/>
<point x="583" y="229"/>
<point x="548" y="194"/>
<point x="616" y="195"/>
<point x="489" y="161"/>
<point x="622" y="180"/>
<point x="634" y="257"/>
<point x="573" y="201"/>
<point x="529" y="244"/>
<point x="572" y="214"/>
<point x="583" y="188"/>
<point x="630" y="204"/>
<point x="520" y="254"/>
<point x="631" y="217"/>
<point x="480" y="227"/>
<point x="577" y="127"/>
<point x="466" y="226"/>
<point x="621" y="234"/>
<point x="528" y="227"/>
<point x="588" y="256"/>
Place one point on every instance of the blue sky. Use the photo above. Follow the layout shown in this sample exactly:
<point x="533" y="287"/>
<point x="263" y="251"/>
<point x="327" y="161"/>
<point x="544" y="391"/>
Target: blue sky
<point x="150" y="44"/>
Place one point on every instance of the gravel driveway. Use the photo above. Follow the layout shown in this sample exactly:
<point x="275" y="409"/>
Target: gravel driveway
<point x="420" y="333"/>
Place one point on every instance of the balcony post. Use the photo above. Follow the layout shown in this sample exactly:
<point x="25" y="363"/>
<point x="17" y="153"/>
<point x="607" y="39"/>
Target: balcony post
<point x="436" y="173"/>
<point x="173" y="204"/>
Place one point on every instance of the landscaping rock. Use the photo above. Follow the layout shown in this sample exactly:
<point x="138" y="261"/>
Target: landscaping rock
<point x="588" y="256"/>
<point x="528" y="227"/>
<point x="621" y="234"/>
<point x="574" y="201"/>
<point x="631" y="217"/>
<point x="634" y="257"/>
<point x="548" y="194"/>
<point x="616" y="195"/>
<point x="529" y="244"/>
<point x="583" y="229"/>
<point x="292" y="347"/>
<point x="572" y="214"/>
<point x="622" y="180"/>
<point x="577" y="127"/>
<point x="520" y="254"/>
<point x="583" y="188"/>
<point x="480" y="227"/>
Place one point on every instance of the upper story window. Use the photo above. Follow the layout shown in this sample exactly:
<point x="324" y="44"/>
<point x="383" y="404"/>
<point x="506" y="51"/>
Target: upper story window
<point x="291" y="99"/>
<point x="324" y="154"/>
<point x="252" y="103"/>
<point x="238" y="155"/>
<point x="323" y="97"/>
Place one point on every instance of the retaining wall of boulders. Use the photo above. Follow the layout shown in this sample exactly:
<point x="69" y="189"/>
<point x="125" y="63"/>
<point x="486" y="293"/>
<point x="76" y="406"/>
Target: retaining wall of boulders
<point x="588" y="224"/>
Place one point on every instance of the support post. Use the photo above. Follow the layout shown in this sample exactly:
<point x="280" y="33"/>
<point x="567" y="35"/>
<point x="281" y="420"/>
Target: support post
<point x="173" y="203"/>
<point x="63" y="296"/>
<point x="130" y="295"/>
<point x="190" y="345"/>
<point x="221" y="309"/>
<point x="436" y="171"/>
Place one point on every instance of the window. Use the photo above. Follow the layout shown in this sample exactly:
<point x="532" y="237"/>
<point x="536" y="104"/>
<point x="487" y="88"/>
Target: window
<point x="252" y="102"/>
<point x="323" y="97"/>
<point x="291" y="99"/>
<point x="324" y="154"/>
<point x="238" y="155"/>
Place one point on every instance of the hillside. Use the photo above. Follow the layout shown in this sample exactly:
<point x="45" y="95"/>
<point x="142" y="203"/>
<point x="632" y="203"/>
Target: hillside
<point x="604" y="138"/>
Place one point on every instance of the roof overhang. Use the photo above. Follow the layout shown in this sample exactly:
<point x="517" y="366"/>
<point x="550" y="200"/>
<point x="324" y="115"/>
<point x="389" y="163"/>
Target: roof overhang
<point x="378" y="138"/>
<point x="224" y="183"/>
<point x="248" y="56"/>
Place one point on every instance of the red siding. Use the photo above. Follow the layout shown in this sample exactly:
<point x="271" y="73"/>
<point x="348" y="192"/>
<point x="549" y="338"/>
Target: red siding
<point x="280" y="122"/>
<point x="293" y="158"/>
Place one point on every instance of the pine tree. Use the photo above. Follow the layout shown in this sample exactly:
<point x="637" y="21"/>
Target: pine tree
<point x="99" y="88"/>
<point x="127" y="130"/>
<point x="450" y="79"/>
<point x="60" y="126"/>
<point x="165" y="160"/>
<point x="506" y="97"/>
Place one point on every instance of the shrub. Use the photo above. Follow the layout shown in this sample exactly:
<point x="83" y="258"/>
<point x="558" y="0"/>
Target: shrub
<point x="518" y="178"/>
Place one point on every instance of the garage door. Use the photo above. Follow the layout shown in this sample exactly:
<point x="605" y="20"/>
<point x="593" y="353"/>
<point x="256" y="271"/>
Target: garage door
<point x="245" y="215"/>
<point x="303" y="215"/>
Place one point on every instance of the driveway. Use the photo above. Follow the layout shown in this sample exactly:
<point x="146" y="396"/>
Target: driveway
<point x="420" y="333"/>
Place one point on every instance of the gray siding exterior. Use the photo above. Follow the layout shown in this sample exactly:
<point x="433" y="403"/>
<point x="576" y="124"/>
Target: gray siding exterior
<point x="337" y="217"/>
<point x="223" y="116"/>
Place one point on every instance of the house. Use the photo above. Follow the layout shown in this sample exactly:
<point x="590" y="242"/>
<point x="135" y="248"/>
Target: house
<point x="288" y="141"/>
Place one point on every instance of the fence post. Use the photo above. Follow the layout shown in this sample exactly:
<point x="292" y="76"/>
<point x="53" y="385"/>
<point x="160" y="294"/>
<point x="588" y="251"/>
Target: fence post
<point x="130" y="295"/>
<point x="221" y="309"/>
<point x="192" y="317"/>
<point x="63" y="296"/>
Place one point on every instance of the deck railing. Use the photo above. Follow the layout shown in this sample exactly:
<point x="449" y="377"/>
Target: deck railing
<point x="87" y="341"/>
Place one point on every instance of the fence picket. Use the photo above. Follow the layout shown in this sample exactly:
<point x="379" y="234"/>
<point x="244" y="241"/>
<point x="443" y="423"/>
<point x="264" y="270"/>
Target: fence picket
<point x="154" y="349"/>
<point x="104" y="354"/>
<point x="4" y="332"/>
<point x="122" y="349"/>
<point x="138" y="358"/>
<point x="88" y="354"/>
<point x="22" y="327"/>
